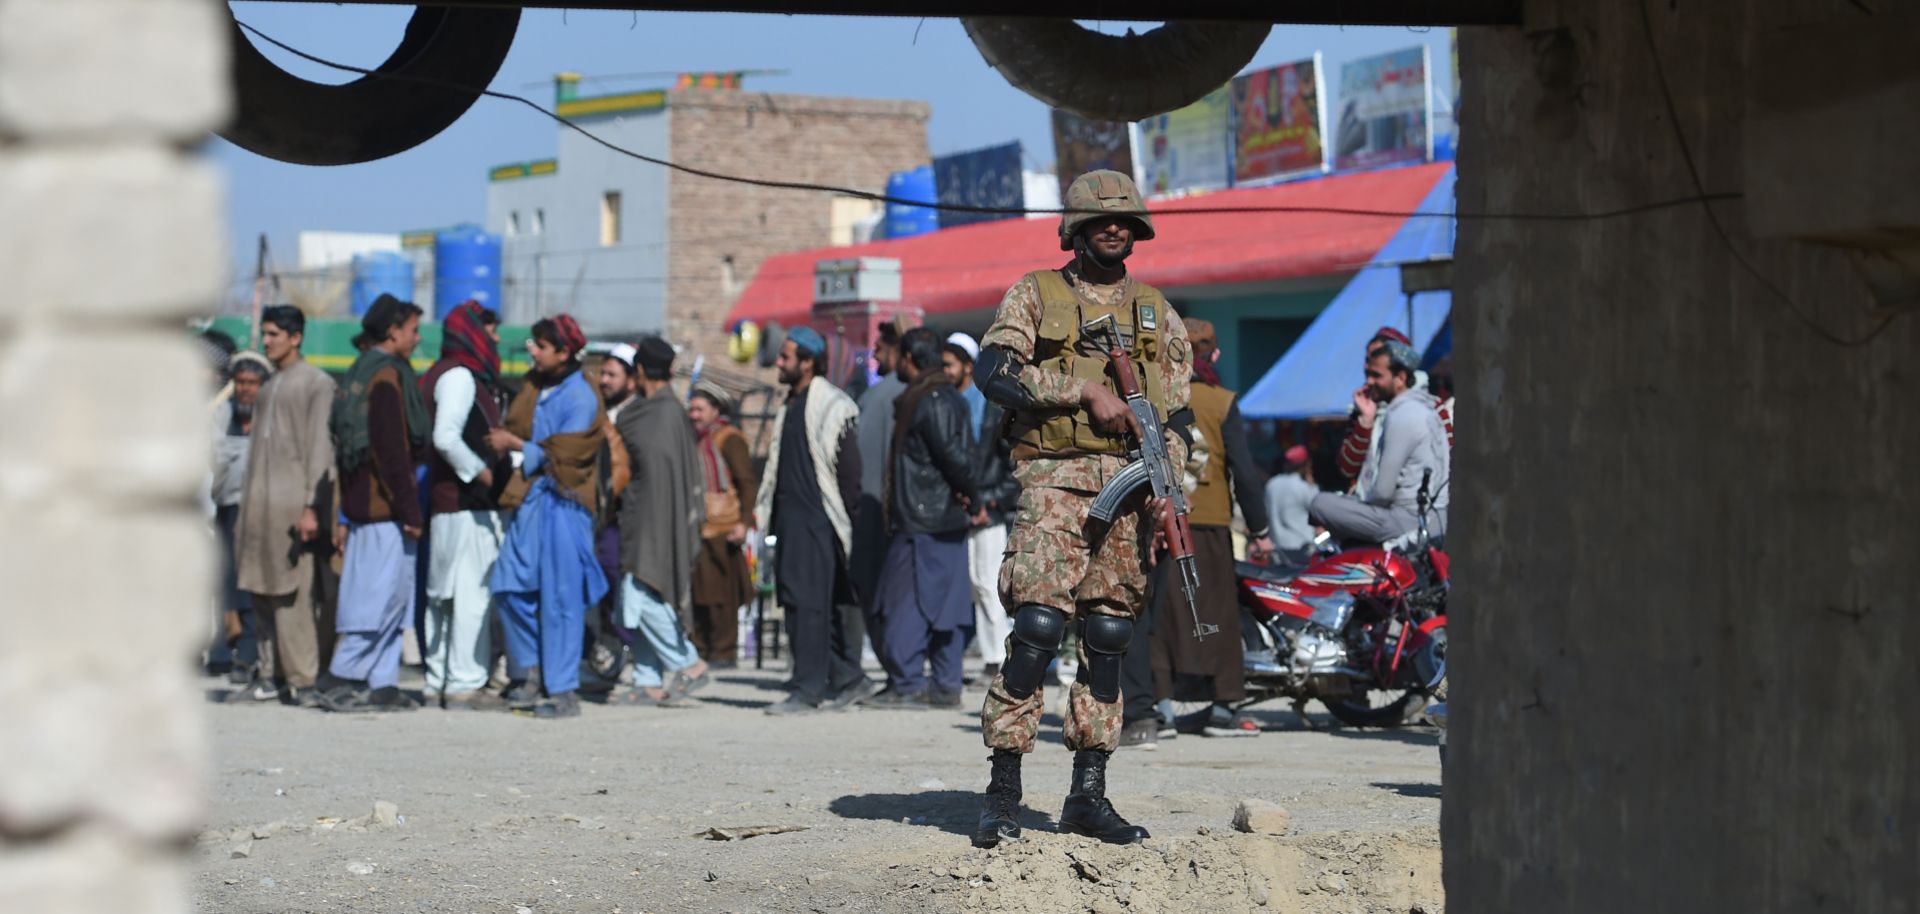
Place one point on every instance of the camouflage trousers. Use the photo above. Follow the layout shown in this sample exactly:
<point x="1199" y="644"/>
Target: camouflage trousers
<point x="1049" y="561"/>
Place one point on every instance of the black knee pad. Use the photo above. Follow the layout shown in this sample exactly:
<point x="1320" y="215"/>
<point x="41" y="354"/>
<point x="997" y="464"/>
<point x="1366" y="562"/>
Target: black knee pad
<point x="1037" y="633"/>
<point x="1106" y="638"/>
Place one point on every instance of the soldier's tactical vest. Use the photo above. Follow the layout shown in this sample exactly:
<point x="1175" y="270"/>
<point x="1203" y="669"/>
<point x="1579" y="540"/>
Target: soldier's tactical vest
<point x="1058" y="346"/>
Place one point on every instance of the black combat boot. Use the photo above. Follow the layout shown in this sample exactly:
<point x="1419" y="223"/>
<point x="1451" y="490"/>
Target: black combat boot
<point x="1087" y="811"/>
<point x="1000" y="820"/>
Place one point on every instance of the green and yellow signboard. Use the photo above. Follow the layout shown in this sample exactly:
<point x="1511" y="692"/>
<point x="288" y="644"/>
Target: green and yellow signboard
<point x="329" y="343"/>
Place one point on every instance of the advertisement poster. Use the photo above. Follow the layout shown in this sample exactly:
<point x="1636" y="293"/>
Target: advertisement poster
<point x="1081" y="145"/>
<point x="983" y="177"/>
<point x="1188" y="149"/>
<point x="1277" y="122"/>
<point x="1385" y="110"/>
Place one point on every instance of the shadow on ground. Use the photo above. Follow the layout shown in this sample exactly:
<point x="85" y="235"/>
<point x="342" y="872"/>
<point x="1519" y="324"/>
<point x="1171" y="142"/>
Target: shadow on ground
<point x="1418" y="736"/>
<point x="750" y="704"/>
<point x="955" y="812"/>
<point x="1419" y="791"/>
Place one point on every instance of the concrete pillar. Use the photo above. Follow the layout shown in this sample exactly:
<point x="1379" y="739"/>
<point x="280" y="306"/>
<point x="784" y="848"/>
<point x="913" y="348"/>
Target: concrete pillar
<point x="110" y="234"/>
<point x="1687" y="553"/>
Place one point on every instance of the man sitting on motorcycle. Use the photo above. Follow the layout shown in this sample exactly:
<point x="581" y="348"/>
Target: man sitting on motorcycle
<point x="1412" y="448"/>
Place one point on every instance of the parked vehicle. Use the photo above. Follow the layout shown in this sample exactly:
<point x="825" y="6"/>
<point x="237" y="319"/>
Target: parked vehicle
<point x="1363" y="631"/>
<point x="1436" y="712"/>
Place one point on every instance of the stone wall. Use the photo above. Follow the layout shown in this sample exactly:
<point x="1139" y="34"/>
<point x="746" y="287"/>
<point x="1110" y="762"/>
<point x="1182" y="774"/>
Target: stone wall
<point x="110" y="235"/>
<point x="842" y="142"/>
<point x="1684" y="526"/>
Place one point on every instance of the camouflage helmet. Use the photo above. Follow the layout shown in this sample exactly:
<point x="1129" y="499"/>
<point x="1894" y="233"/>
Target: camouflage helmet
<point x="1099" y="192"/>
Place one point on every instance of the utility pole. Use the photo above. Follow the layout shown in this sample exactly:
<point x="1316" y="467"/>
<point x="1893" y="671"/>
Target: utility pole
<point x="259" y="292"/>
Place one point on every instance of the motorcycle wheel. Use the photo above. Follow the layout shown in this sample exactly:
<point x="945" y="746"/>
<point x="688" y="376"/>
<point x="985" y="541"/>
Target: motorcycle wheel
<point x="606" y="657"/>
<point x="1361" y="711"/>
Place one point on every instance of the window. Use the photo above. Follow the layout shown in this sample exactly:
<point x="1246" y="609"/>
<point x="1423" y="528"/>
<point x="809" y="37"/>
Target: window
<point x="846" y="217"/>
<point x="609" y="218"/>
<point x="513" y="224"/>
<point x="539" y="222"/>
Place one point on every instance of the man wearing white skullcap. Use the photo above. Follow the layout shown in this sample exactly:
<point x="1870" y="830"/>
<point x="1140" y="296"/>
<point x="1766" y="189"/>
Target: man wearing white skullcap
<point x="998" y="492"/>
<point x="616" y="378"/>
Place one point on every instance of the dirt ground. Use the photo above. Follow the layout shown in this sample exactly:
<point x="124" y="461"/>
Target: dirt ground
<point x="437" y="811"/>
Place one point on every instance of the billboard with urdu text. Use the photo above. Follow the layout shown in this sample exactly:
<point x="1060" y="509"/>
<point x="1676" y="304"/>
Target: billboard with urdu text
<point x="984" y="177"/>
<point x="1188" y="149"/>
<point x="1385" y="110"/>
<point x="1081" y="145"/>
<point x="1278" y="124"/>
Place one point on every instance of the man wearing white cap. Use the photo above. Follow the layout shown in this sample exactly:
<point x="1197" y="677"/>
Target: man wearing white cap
<point x="616" y="379"/>
<point x="993" y="469"/>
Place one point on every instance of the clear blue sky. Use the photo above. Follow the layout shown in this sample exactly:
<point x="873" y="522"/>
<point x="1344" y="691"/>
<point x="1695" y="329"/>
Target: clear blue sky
<point x="443" y="181"/>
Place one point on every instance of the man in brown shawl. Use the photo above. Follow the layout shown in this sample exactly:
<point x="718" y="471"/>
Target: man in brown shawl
<point x="285" y="514"/>
<point x="660" y="517"/>
<point x="721" y="584"/>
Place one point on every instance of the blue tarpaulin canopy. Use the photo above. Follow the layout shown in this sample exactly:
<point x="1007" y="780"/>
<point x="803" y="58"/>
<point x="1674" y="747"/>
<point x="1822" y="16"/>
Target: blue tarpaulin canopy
<point x="1317" y="377"/>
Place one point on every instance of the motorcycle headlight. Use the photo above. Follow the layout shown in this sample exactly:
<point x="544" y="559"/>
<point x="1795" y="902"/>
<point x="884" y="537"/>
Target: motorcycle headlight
<point x="1331" y="611"/>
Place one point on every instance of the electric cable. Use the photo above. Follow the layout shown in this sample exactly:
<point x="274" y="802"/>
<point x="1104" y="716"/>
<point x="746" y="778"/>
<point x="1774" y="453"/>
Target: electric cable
<point x="1713" y="218"/>
<point x="1700" y="197"/>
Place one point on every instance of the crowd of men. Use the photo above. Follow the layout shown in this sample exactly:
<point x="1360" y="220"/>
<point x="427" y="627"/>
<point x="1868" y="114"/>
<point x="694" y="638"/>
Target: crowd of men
<point x="515" y="526"/>
<point x="501" y="519"/>
<point x="960" y="483"/>
<point x="888" y="520"/>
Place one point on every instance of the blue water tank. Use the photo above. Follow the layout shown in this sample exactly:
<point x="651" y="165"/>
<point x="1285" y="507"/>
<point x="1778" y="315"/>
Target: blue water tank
<point x="466" y="265"/>
<point x="905" y="221"/>
<point x="381" y="271"/>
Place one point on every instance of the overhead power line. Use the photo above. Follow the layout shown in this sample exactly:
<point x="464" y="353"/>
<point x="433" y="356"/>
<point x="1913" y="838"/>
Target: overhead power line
<point x="776" y="184"/>
<point x="1713" y="218"/>
<point x="1701" y="197"/>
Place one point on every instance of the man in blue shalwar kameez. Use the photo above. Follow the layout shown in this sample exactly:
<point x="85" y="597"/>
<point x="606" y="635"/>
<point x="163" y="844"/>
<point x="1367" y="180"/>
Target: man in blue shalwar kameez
<point x="547" y="574"/>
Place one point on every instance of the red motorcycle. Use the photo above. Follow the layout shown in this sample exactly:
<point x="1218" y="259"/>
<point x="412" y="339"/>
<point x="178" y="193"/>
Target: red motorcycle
<point x="1363" y="631"/>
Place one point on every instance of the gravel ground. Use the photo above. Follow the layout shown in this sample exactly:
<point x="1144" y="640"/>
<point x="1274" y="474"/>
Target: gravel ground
<point x="508" y="815"/>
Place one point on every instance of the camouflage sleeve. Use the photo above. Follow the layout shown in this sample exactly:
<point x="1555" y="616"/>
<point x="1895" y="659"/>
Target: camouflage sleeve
<point x="1179" y="382"/>
<point x="1179" y="373"/>
<point x="1014" y="327"/>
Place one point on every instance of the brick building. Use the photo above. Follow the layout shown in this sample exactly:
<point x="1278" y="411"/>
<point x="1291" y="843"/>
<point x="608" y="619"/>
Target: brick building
<point x="631" y="247"/>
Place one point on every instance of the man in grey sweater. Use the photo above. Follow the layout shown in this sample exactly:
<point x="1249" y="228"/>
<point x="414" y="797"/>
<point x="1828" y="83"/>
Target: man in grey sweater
<point x="1412" y="447"/>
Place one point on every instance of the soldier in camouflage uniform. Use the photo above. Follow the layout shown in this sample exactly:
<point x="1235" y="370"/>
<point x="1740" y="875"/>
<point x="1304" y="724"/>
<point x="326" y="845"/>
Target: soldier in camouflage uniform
<point x="1068" y="429"/>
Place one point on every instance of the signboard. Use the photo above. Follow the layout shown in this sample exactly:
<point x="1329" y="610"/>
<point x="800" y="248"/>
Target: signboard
<point x="1188" y="149"/>
<point x="1081" y="145"/>
<point x="983" y="177"/>
<point x="1385" y="110"/>
<point x="1278" y="122"/>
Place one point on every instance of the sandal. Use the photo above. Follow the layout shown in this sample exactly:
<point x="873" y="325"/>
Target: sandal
<point x="640" y="698"/>
<point x="683" y="685"/>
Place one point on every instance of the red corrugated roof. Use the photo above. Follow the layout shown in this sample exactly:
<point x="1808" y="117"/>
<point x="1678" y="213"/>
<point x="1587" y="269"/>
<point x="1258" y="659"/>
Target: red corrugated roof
<point x="970" y="267"/>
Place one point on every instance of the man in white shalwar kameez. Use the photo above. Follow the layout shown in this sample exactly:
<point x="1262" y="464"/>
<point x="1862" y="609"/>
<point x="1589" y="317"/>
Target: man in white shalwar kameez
<point x="465" y="478"/>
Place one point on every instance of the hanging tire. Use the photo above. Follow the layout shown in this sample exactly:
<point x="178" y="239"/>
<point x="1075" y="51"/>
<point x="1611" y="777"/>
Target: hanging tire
<point x="1115" y="77"/>
<point x="447" y="56"/>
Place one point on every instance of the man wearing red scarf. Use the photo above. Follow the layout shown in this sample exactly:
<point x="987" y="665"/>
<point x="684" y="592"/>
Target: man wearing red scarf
<point x="464" y="479"/>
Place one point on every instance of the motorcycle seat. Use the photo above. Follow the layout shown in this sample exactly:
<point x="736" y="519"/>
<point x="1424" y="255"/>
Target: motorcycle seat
<point x="1272" y="574"/>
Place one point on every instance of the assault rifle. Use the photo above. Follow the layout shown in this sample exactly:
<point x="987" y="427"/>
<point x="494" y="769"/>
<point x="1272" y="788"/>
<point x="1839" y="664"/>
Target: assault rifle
<point x="1151" y="466"/>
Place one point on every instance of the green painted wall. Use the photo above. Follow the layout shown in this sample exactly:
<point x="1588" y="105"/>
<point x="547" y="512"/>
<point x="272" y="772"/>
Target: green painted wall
<point x="1256" y="330"/>
<point x="329" y="343"/>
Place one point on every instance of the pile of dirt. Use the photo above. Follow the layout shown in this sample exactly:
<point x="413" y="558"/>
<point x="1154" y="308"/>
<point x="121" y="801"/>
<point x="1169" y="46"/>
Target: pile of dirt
<point x="1343" y="873"/>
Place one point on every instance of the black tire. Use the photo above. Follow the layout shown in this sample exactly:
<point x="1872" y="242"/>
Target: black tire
<point x="1170" y="67"/>
<point x="1361" y="713"/>
<point x="445" y="58"/>
<point x="606" y="656"/>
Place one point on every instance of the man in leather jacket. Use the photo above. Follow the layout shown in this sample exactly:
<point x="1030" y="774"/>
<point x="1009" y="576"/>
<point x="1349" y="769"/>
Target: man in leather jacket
<point x="999" y="492"/>
<point x="923" y="600"/>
